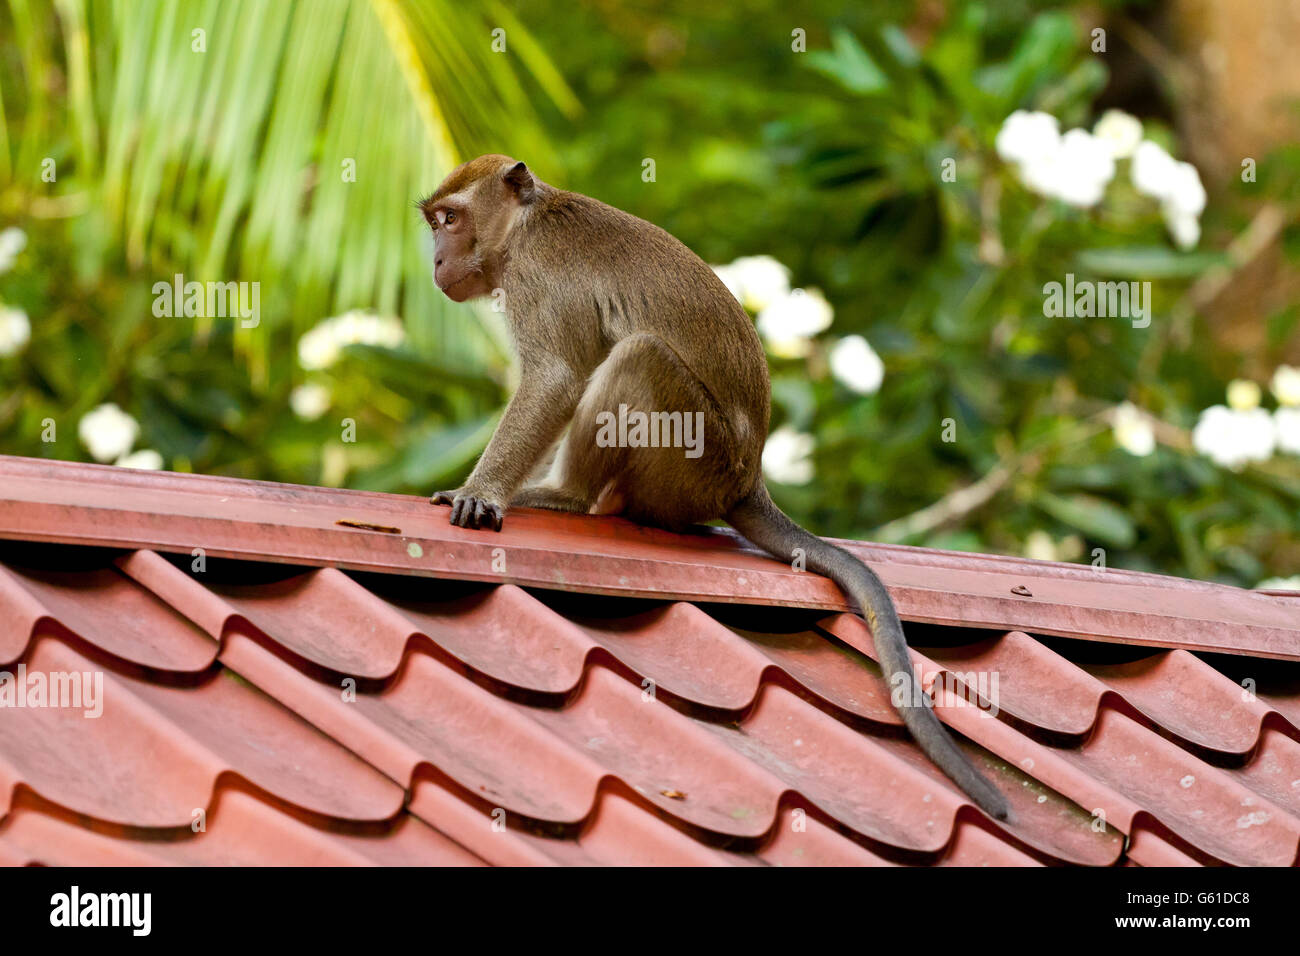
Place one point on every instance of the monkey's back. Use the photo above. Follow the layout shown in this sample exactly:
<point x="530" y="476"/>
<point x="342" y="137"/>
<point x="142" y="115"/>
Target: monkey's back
<point x="628" y="276"/>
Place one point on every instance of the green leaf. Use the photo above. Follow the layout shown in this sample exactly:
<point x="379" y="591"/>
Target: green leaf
<point x="421" y="373"/>
<point x="440" y="456"/>
<point x="899" y="46"/>
<point x="448" y="450"/>
<point x="288" y="150"/>
<point x="795" y="395"/>
<point x="849" y="64"/>
<point x="1050" y="43"/>
<point x="1097" y="518"/>
<point x="1146" y="262"/>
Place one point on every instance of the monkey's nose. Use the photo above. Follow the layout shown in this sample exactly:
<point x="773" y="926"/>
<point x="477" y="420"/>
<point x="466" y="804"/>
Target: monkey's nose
<point x="437" y="262"/>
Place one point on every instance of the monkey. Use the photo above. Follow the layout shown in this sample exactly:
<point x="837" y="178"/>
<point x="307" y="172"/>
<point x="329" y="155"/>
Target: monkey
<point x="608" y="313"/>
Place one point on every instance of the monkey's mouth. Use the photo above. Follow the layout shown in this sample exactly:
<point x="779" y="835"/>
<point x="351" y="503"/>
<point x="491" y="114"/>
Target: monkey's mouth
<point x="456" y="289"/>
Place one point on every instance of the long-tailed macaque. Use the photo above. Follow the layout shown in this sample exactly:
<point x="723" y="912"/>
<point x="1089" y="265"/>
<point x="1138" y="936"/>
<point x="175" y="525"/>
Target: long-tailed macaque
<point x="614" y="318"/>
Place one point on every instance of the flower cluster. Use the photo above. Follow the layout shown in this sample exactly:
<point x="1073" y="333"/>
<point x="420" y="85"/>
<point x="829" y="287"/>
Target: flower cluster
<point x="321" y="346"/>
<point x="757" y="281"/>
<point x="1074" y="168"/>
<point x="15" y="327"/>
<point x="1077" y="166"/>
<point x="1241" y="432"/>
<point x="788" y="320"/>
<point x="1231" y="435"/>
<point x="1176" y="185"/>
<point x="108" y="434"/>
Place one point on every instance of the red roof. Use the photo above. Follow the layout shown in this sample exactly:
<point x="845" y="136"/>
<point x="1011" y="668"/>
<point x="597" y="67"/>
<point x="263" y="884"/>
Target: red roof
<point x="369" y="684"/>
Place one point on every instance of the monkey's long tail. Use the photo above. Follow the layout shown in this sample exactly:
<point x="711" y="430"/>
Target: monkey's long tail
<point x="759" y="519"/>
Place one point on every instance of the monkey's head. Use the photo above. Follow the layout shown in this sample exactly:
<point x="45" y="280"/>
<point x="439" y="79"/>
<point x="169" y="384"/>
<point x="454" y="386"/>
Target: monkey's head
<point x="471" y="215"/>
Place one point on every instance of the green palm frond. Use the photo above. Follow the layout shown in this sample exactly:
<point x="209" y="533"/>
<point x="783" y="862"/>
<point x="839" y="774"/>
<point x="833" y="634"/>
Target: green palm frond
<point x="282" y="141"/>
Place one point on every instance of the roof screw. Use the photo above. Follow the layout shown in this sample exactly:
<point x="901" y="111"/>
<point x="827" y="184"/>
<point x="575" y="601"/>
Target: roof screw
<point x="1022" y="591"/>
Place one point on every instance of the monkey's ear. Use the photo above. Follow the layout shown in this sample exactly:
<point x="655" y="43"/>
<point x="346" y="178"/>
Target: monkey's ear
<point x="520" y="179"/>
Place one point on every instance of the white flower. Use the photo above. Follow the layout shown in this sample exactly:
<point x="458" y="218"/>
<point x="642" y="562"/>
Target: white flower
<point x="1280" y="584"/>
<point x="1243" y="394"/>
<point x="382" y="330"/>
<point x="1184" y="228"/>
<point x="146" y="460"/>
<point x="310" y="401"/>
<point x="1039" y="546"/>
<point x="788" y="324"/>
<point x="1133" y="431"/>
<point x="785" y="456"/>
<point x="321" y="346"/>
<point x="1286" y="423"/>
<point x="1178" y="187"/>
<point x="107" y="432"/>
<point x="855" y="364"/>
<point x="15" y="331"/>
<point x="318" y="348"/>
<point x="1182" y="205"/>
<point x="1120" y="131"/>
<point x="730" y="277"/>
<point x="1075" y="168"/>
<point x="1286" y="385"/>
<point x="12" y="241"/>
<point x="1184" y="191"/>
<point x="1027" y="137"/>
<point x="1234" y="437"/>
<point x="1083" y="169"/>
<point x="1152" y="170"/>
<point x="1258" y="437"/>
<point x="760" y="280"/>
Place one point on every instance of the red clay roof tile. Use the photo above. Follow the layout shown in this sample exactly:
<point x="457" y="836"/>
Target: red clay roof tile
<point x="323" y="717"/>
<point x="74" y="503"/>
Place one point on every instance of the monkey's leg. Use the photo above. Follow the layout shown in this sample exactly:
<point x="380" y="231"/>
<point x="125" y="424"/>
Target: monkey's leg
<point x="544" y="468"/>
<point x="544" y="491"/>
<point x="553" y="499"/>
<point x="534" y="418"/>
<point x="654" y="478"/>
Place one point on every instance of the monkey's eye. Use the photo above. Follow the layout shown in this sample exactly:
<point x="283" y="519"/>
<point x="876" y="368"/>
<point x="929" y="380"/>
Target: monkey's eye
<point x="450" y="218"/>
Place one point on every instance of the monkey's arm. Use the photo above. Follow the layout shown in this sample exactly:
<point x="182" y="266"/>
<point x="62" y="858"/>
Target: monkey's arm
<point x="544" y="403"/>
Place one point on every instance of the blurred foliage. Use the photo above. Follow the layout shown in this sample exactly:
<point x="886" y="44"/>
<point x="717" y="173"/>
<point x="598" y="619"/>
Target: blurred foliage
<point x="226" y="165"/>
<point x="830" y="162"/>
<point x="248" y="140"/>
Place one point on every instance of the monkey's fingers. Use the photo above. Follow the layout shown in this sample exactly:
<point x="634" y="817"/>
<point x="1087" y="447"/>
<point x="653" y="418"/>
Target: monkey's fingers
<point x="462" y="510"/>
<point x="444" y="497"/>
<point x="488" y="515"/>
<point x="468" y="511"/>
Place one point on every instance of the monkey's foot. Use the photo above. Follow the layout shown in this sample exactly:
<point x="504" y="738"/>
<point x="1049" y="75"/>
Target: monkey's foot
<point x="471" y="511"/>
<point x="552" y="499"/>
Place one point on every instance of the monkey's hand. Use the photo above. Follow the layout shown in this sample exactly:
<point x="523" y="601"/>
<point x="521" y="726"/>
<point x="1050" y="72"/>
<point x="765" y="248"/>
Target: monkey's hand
<point x="471" y="510"/>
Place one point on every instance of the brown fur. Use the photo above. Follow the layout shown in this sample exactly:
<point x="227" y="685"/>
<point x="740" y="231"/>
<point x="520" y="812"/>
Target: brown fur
<point x="608" y="310"/>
